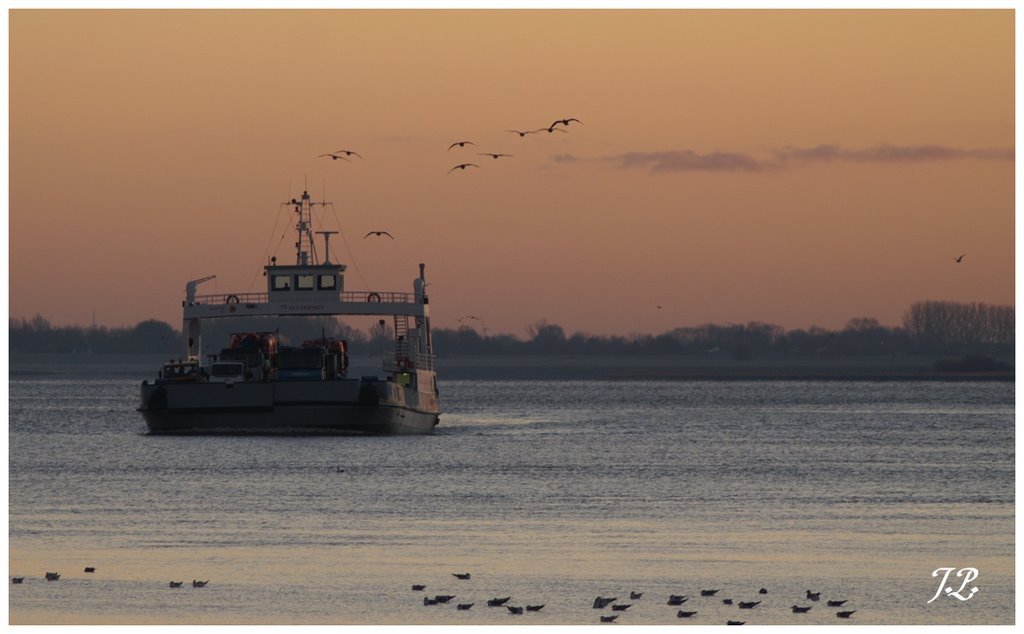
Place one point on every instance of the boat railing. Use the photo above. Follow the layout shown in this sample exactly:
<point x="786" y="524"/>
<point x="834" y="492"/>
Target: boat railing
<point x="233" y="298"/>
<point x="387" y="297"/>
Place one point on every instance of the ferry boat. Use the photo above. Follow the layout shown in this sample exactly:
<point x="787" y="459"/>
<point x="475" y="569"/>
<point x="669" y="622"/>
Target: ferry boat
<point x="255" y="385"/>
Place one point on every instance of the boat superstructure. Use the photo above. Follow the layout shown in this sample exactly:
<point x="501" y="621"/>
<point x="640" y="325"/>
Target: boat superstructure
<point x="256" y="385"/>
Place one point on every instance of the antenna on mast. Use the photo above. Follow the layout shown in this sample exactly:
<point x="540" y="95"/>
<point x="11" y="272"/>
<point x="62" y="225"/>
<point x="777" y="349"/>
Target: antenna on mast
<point x="327" y="244"/>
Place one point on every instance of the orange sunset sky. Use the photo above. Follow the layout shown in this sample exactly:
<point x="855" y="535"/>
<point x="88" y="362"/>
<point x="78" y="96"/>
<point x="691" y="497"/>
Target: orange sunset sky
<point x="798" y="167"/>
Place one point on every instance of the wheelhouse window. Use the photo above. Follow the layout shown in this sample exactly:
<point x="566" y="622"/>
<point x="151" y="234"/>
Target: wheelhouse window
<point x="304" y="282"/>
<point x="327" y="282"/>
<point x="281" y="283"/>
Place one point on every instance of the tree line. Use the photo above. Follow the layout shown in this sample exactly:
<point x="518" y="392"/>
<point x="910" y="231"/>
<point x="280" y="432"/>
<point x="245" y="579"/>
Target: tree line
<point x="929" y="327"/>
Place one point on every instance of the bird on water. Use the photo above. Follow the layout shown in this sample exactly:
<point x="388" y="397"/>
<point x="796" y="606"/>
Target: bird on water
<point x="457" y="575"/>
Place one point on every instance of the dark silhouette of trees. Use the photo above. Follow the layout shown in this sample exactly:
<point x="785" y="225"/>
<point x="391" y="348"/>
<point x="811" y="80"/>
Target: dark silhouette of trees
<point x="959" y="328"/>
<point x="38" y="335"/>
<point x="939" y="328"/>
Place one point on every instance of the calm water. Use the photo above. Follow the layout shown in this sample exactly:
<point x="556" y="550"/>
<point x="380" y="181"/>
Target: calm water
<point x="553" y="492"/>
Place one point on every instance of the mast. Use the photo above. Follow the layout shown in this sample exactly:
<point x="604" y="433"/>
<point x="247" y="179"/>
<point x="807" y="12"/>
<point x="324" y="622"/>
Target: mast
<point x="305" y="248"/>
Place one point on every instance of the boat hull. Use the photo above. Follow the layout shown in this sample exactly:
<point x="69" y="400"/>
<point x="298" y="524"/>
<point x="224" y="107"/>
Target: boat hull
<point x="320" y="408"/>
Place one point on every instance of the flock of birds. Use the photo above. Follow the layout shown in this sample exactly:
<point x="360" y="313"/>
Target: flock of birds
<point x="619" y="608"/>
<point x="55" y="576"/>
<point x="600" y="603"/>
<point x="344" y="155"/>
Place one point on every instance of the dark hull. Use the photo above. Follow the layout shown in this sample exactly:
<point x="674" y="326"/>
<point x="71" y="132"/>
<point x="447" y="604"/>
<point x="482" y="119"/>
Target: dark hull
<point x="311" y="408"/>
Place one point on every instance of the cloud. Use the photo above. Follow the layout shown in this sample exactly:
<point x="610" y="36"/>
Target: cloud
<point x="688" y="161"/>
<point x="885" y="153"/>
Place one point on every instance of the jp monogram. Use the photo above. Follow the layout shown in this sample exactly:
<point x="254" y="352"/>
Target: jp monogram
<point x="968" y="574"/>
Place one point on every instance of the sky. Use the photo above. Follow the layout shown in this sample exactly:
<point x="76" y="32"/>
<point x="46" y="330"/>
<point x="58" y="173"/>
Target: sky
<point x="795" y="167"/>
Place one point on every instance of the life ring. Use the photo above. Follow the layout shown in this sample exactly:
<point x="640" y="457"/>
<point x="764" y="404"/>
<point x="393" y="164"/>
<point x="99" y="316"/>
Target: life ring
<point x="373" y="297"/>
<point x="231" y="299"/>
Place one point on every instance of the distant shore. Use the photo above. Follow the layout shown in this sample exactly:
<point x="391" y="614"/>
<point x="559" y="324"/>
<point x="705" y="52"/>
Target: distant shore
<point x="561" y="368"/>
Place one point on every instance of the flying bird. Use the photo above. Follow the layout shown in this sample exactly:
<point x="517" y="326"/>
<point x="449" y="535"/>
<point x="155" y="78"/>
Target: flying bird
<point x="378" y="234"/>
<point x="565" y="122"/>
<point x="348" y="153"/>
<point x="461" y="144"/>
<point x="491" y="154"/>
<point x="959" y="258"/>
<point x="523" y="133"/>
<point x="462" y="166"/>
<point x="551" y="129"/>
<point x="335" y="157"/>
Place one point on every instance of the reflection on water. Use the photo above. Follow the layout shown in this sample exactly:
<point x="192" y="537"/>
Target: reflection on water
<point x="553" y="492"/>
